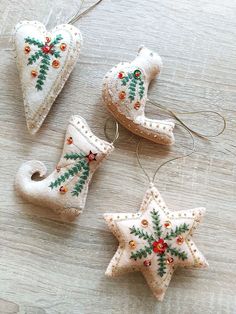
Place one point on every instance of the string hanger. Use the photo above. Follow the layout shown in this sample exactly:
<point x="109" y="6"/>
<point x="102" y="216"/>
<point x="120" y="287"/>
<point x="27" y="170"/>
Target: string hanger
<point x="175" y="115"/>
<point x="78" y="15"/>
<point x="117" y="134"/>
<point x="151" y="180"/>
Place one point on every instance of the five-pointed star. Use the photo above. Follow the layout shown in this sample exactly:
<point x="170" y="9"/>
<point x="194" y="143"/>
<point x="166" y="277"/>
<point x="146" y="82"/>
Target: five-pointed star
<point x="155" y="241"/>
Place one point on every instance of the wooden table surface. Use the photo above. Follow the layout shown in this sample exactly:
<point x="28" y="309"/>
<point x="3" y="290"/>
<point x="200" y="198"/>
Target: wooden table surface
<point x="51" y="266"/>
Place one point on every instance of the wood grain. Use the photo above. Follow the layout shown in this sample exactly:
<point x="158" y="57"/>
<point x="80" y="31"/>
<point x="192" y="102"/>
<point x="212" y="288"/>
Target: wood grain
<point x="51" y="266"/>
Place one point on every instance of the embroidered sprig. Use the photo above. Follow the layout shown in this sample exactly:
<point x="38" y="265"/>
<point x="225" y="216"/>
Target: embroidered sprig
<point x="156" y="243"/>
<point x="80" y="168"/>
<point x="136" y="84"/>
<point x="45" y="52"/>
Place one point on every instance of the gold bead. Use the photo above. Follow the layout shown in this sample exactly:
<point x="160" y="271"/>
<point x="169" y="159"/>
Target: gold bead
<point x="55" y="63"/>
<point x="132" y="244"/>
<point x="144" y="223"/>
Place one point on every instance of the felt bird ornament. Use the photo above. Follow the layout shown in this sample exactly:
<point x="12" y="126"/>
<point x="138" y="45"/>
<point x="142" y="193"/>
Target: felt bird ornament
<point x="65" y="189"/>
<point x="44" y="60"/>
<point x="125" y="90"/>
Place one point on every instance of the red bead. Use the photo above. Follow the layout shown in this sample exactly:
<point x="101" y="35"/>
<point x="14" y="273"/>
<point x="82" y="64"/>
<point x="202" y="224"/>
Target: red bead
<point x="55" y="63"/>
<point x="137" y="73"/>
<point x="122" y="95"/>
<point x="34" y="73"/>
<point x="69" y="140"/>
<point x="167" y="224"/>
<point x="63" y="47"/>
<point x="147" y="263"/>
<point x="120" y="75"/>
<point x="91" y="156"/>
<point x="137" y="105"/>
<point x="180" y="240"/>
<point x="169" y="260"/>
<point x="27" y="49"/>
<point x="63" y="189"/>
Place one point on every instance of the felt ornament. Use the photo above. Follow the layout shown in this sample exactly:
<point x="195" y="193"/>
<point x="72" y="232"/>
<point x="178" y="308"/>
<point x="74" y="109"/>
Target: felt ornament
<point x="44" y="60"/>
<point x="65" y="189"/>
<point x="155" y="241"/>
<point x="125" y="90"/>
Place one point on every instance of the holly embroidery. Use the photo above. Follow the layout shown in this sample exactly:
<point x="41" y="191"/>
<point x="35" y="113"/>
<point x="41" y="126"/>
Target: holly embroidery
<point x="159" y="243"/>
<point x="46" y="50"/>
<point x="136" y="83"/>
<point x="80" y="168"/>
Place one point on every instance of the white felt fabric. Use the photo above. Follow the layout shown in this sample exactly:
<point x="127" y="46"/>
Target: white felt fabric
<point x="79" y="140"/>
<point x="121" y="225"/>
<point x="129" y="110"/>
<point x="37" y="103"/>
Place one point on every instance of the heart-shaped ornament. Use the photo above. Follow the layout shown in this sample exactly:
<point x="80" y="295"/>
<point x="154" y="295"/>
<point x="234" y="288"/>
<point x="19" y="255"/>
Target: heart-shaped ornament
<point x="45" y="61"/>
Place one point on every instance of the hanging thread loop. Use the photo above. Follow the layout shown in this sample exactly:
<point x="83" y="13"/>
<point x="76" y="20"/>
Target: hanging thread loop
<point x="78" y="15"/>
<point x="151" y="180"/>
<point x="198" y="134"/>
<point x="117" y="134"/>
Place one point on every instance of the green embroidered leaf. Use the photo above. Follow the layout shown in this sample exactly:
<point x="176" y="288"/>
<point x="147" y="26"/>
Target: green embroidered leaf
<point x="57" y="54"/>
<point x="141" y="253"/>
<point x="45" y="61"/>
<point x="141" y="234"/>
<point x="156" y="223"/>
<point x="42" y="77"/>
<point x="178" y="231"/>
<point x="56" y="40"/>
<point x="44" y="67"/>
<point x="80" y="184"/>
<point x="162" y="264"/>
<point x="39" y="87"/>
<point x="177" y="252"/>
<point x="130" y="76"/>
<point x="33" y="41"/>
<point x="74" y="156"/>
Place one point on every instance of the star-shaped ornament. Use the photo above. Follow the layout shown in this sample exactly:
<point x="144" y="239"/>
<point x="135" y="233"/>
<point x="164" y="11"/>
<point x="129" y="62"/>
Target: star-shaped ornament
<point x="155" y="241"/>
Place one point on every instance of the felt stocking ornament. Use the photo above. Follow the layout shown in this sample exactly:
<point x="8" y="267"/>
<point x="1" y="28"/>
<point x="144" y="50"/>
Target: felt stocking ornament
<point x="65" y="189"/>
<point x="45" y="60"/>
<point x="125" y="90"/>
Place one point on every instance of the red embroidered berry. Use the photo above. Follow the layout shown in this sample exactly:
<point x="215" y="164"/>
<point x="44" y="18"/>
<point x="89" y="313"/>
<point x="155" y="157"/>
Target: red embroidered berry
<point x="46" y="49"/>
<point x="121" y="75"/>
<point x="167" y="224"/>
<point x="137" y="73"/>
<point x="147" y="263"/>
<point x="55" y="63"/>
<point x="69" y="140"/>
<point x="91" y="156"/>
<point x="48" y="39"/>
<point x="159" y="246"/>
